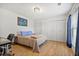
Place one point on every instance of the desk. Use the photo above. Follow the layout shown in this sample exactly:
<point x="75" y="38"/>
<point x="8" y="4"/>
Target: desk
<point x="4" y="42"/>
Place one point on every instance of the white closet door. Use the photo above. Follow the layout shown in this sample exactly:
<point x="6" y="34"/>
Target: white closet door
<point x="55" y="30"/>
<point x="51" y="29"/>
<point x="60" y="30"/>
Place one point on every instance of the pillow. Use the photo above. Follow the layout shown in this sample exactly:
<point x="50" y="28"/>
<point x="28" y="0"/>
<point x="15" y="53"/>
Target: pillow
<point x="26" y="33"/>
<point x="34" y="36"/>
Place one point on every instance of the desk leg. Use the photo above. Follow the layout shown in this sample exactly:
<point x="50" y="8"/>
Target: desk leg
<point x="5" y="50"/>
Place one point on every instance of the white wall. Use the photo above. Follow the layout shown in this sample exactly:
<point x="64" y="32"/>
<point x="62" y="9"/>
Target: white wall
<point x="37" y="26"/>
<point x="55" y="28"/>
<point x="8" y="23"/>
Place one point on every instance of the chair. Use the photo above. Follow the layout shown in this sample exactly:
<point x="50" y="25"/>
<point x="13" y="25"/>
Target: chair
<point x="10" y="37"/>
<point x="7" y="47"/>
<point x="1" y="51"/>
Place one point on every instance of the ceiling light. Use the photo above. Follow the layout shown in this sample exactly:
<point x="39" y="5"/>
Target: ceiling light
<point x="36" y="9"/>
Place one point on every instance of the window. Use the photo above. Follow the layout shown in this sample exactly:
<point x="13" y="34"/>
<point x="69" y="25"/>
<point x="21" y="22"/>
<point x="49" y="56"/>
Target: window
<point x="74" y="18"/>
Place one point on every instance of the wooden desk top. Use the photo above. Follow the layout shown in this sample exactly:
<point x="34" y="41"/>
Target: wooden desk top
<point x="4" y="41"/>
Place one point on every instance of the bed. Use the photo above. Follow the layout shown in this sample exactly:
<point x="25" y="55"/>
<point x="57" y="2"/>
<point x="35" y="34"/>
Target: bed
<point x="33" y="41"/>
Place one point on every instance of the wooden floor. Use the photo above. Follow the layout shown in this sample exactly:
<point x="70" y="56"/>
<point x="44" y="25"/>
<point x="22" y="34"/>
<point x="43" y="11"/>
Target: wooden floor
<point x="49" y="48"/>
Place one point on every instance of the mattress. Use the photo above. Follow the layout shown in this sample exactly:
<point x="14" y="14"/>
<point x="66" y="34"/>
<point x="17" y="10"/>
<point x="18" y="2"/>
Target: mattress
<point x="33" y="41"/>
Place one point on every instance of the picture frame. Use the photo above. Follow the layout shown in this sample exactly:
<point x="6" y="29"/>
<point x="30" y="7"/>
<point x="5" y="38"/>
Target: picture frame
<point x="21" y="21"/>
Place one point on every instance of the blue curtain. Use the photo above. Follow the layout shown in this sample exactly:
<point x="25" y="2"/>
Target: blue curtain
<point x="69" y="42"/>
<point x="77" y="38"/>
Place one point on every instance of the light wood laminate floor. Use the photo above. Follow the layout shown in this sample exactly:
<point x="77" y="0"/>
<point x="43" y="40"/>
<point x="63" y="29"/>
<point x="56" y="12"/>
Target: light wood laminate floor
<point x="49" y="48"/>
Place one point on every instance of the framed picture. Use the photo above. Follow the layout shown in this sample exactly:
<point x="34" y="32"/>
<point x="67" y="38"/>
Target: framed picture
<point x="22" y="21"/>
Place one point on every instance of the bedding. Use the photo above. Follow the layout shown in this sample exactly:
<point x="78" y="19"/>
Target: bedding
<point x="25" y="33"/>
<point x="33" y="41"/>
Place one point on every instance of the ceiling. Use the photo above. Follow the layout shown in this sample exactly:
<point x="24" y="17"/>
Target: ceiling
<point x="46" y="9"/>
